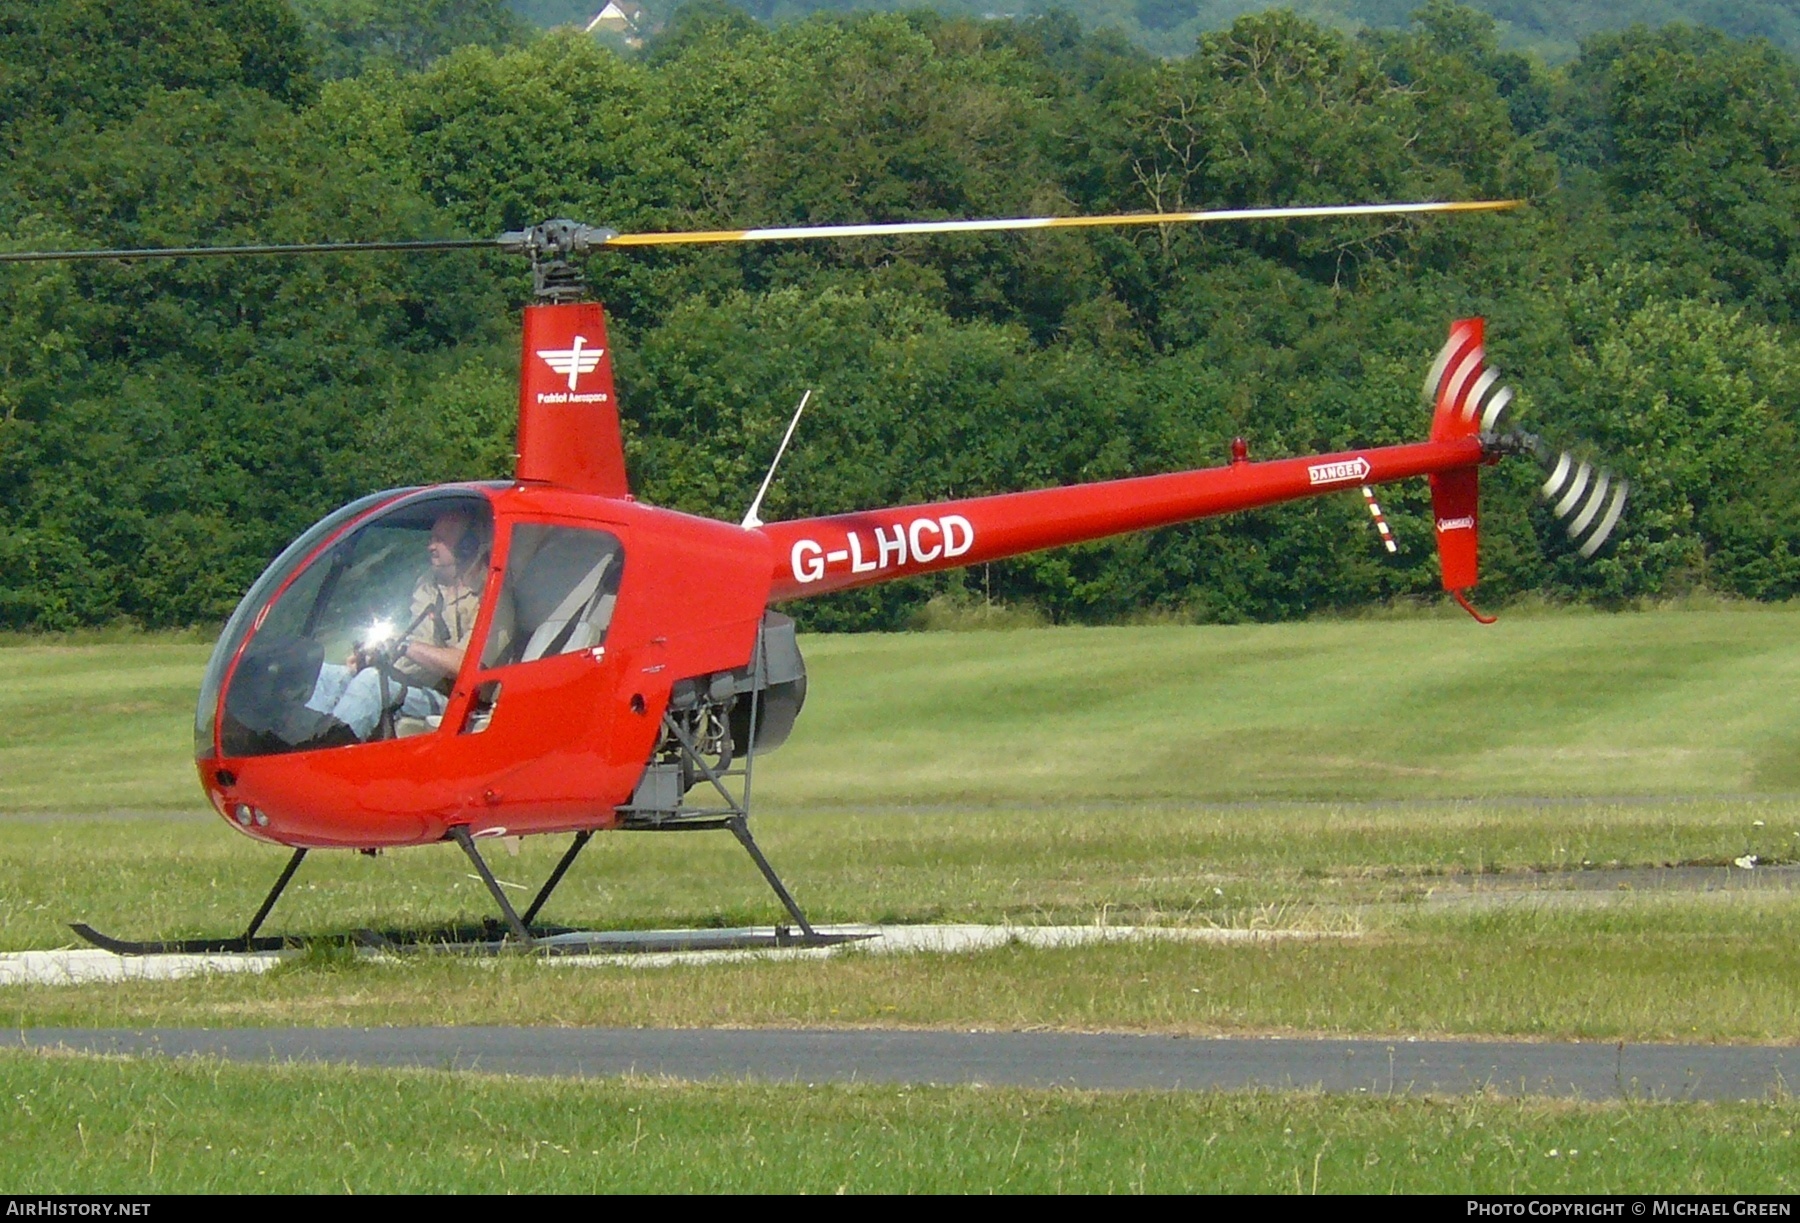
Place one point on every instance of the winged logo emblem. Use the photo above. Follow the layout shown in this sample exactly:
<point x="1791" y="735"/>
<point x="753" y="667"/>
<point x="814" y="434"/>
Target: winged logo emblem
<point x="574" y="361"/>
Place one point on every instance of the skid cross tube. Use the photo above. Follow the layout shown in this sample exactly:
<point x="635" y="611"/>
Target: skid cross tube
<point x="568" y="859"/>
<point x="460" y="833"/>
<point x="274" y="895"/>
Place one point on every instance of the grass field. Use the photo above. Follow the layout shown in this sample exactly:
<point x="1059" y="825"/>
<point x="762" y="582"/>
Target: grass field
<point x="162" y="1126"/>
<point x="1676" y="703"/>
<point x="1419" y="791"/>
<point x="1663" y="971"/>
<point x="1688" y="702"/>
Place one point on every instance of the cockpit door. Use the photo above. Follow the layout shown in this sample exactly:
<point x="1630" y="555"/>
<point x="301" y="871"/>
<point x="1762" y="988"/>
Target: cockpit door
<point x="540" y="704"/>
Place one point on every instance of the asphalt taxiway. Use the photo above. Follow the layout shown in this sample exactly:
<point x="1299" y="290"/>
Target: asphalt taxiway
<point x="1025" y="1059"/>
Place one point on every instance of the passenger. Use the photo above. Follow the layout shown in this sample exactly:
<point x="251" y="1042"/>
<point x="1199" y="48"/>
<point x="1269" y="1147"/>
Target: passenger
<point x="412" y="674"/>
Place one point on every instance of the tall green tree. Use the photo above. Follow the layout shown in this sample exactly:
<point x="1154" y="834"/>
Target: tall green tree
<point x="99" y="58"/>
<point x="410" y="34"/>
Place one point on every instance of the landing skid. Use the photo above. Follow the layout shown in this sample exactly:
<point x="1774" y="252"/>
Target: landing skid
<point x="557" y="942"/>
<point x="191" y="946"/>
<point x="490" y="939"/>
<point x="245" y="942"/>
<point x="513" y="931"/>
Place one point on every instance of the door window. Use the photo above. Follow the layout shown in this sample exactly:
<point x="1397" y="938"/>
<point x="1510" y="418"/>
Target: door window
<point x="561" y="584"/>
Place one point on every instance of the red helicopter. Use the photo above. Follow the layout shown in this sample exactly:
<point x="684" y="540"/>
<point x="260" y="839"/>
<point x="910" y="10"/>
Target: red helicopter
<point x="551" y="655"/>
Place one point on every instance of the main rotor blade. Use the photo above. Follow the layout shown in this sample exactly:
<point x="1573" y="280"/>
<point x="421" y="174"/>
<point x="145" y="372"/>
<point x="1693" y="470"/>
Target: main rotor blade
<point x="585" y="238"/>
<point x="202" y="252"/>
<point x="802" y="232"/>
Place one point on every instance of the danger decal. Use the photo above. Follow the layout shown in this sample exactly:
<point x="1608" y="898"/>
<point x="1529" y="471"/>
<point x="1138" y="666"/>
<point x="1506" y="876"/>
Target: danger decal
<point x="1347" y="471"/>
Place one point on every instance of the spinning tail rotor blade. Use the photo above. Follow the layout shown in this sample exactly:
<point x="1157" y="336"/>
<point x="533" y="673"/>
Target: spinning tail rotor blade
<point x="1463" y="390"/>
<point x="1587" y="500"/>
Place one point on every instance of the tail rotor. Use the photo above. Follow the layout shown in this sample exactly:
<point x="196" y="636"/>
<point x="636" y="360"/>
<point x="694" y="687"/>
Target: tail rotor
<point x="1587" y="499"/>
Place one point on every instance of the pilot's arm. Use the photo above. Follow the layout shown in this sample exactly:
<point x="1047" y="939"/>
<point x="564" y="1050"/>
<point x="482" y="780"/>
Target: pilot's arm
<point x="437" y="660"/>
<point x="446" y="660"/>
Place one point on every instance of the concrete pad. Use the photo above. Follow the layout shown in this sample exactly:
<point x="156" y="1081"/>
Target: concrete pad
<point x="948" y="940"/>
<point x="85" y="966"/>
<point x="89" y="965"/>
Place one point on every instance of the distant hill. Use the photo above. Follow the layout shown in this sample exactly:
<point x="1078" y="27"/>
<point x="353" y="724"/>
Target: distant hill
<point x="1549" y="28"/>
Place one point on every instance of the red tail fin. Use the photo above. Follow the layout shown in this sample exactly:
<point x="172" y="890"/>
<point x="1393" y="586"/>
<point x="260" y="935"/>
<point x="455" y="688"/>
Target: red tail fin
<point x="1456" y="506"/>
<point x="568" y="416"/>
<point x="1466" y="400"/>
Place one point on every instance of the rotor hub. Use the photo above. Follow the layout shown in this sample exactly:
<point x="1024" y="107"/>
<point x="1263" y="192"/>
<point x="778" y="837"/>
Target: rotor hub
<point x="552" y="248"/>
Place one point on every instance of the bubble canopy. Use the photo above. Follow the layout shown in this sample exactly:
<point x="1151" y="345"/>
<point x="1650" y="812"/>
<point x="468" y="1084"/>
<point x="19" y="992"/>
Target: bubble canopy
<point x="348" y="583"/>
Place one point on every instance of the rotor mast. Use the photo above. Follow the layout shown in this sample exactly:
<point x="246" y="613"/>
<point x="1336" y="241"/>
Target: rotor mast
<point x="556" y="278"/>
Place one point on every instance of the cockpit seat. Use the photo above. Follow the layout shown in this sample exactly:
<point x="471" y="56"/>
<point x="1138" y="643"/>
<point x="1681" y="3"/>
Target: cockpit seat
<point x="574" y="632"/>
<point x="579" y="620"/>
<point x="405" y="727"/>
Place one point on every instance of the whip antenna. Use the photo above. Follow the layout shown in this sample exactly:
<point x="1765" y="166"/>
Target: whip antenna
<point x="751" y="521"/>
<point x="1381" y="522"/>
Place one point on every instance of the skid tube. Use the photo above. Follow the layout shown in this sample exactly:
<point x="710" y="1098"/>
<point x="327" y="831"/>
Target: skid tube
<point x="513" y="933"/>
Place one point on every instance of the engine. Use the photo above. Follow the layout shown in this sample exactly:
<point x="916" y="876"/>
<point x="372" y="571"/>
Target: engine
<point x="715" y="722"/>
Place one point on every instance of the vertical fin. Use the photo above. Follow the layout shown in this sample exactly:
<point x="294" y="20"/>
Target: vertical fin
<point x="1464" y="401"/>
<point x="1455" y="509"/>
<point x="568" y="413"/>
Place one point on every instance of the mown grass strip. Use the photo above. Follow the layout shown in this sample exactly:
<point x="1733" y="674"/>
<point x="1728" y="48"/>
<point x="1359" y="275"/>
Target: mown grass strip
<point x="1690" y="701"/>
<point x="93" y="1125"/>
<point x="1678" y="969"/>
<point x="1033" y="846"/>
<point x="169" y="876"/>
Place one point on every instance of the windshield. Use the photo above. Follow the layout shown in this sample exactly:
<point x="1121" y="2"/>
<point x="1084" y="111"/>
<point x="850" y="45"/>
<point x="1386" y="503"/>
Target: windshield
<point x="253" y="601"/>
<point x="365" y="641"/>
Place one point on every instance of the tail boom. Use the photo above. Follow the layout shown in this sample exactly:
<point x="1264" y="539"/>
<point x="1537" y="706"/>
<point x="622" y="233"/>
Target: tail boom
<point x="815" y="556"/>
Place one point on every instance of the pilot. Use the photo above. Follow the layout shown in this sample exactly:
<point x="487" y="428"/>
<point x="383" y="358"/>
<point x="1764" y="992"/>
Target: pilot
<point x="421" y="665"/>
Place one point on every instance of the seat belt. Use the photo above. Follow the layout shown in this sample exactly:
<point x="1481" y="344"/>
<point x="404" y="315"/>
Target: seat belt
<point x="585" y="595"/>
